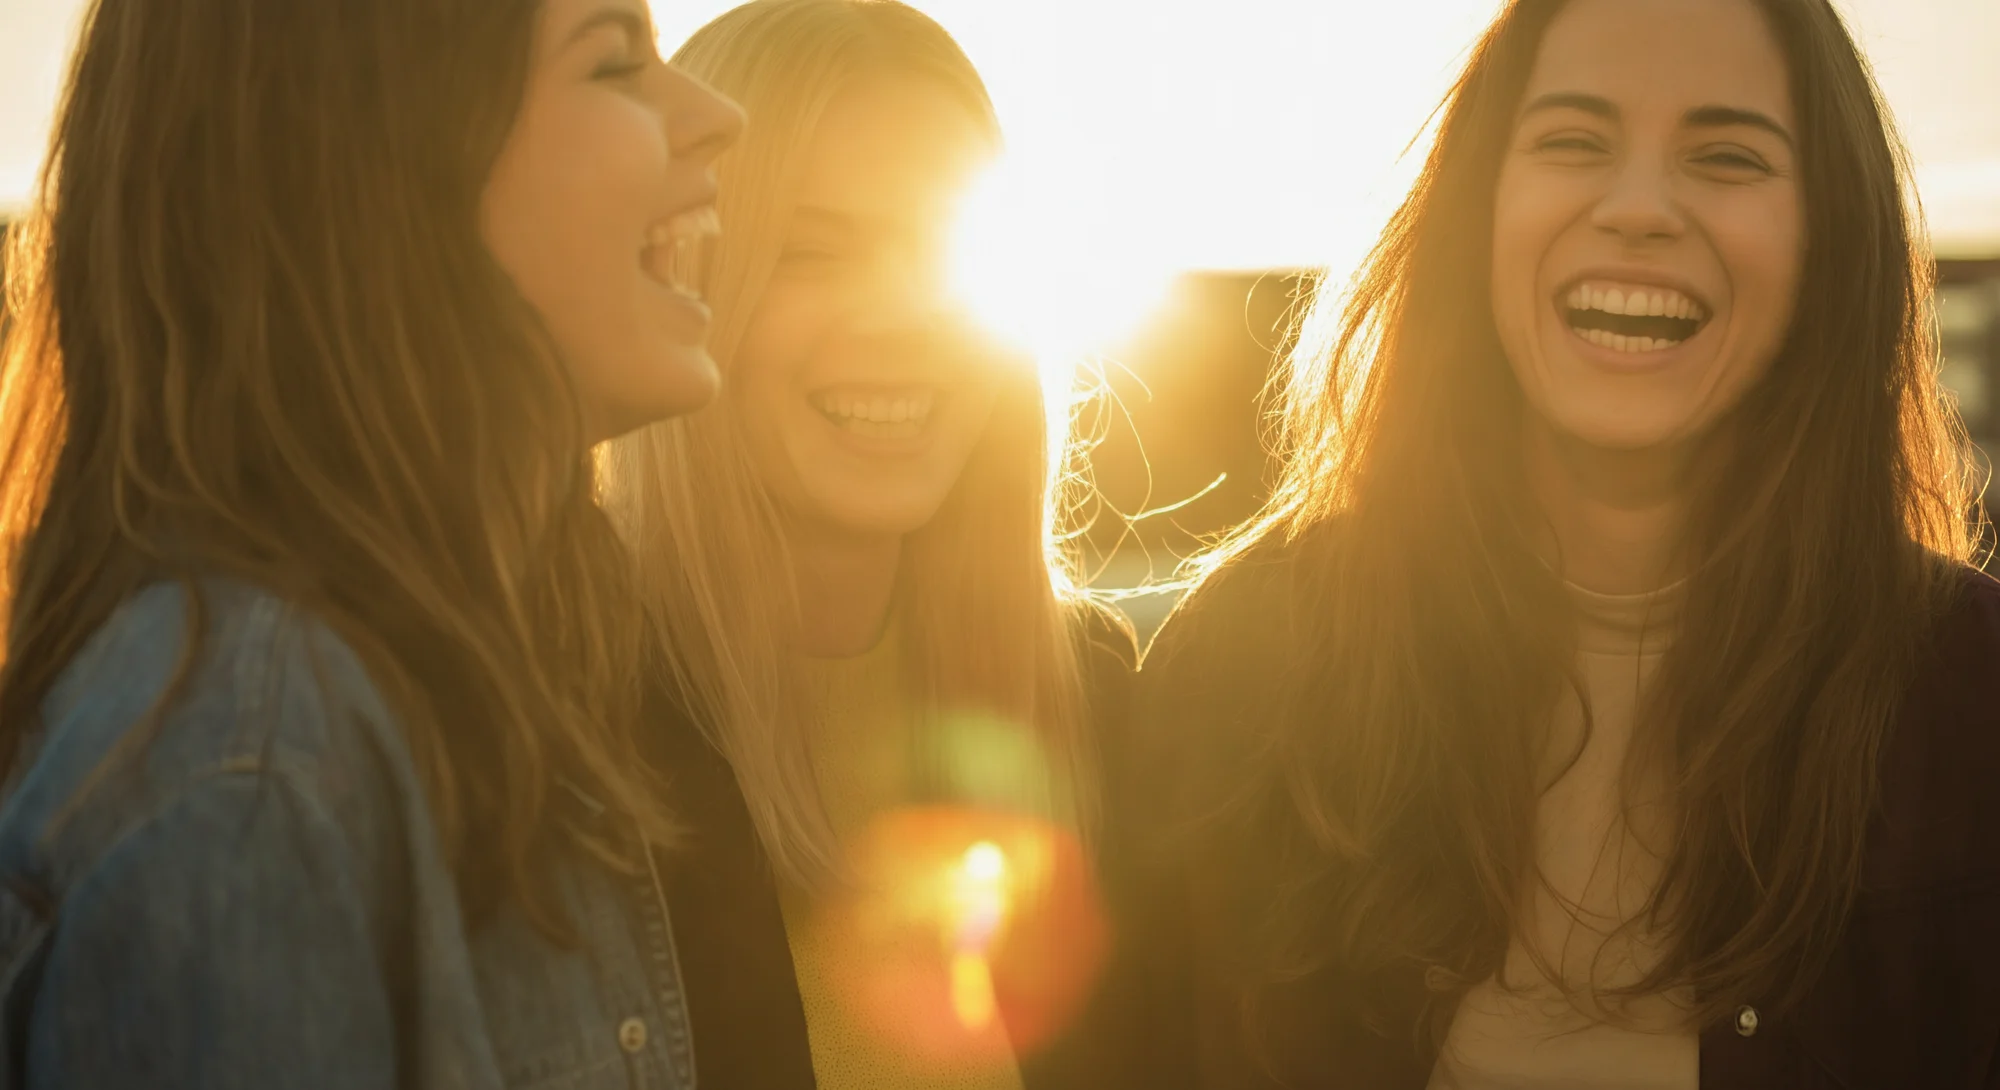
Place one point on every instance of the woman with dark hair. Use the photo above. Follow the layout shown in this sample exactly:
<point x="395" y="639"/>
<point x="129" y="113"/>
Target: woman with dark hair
<point x="1607" y="697"/>
<point x="318" y="701"/>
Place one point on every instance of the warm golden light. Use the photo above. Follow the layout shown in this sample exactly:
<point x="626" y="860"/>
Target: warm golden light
<point x="979" y="903"/>
<point x="985" y="863"/>
<point x="1039" y="269"/>
<point x="972" y="998"/>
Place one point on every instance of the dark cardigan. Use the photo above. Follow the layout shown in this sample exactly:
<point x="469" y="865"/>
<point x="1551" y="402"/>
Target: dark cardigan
<point x="1912" y="998"/>
<point x="736" y="963"/>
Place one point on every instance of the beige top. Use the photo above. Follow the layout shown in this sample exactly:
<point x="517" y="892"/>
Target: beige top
<point x="1599" y="865"/>
<point x="865" y="1029"/>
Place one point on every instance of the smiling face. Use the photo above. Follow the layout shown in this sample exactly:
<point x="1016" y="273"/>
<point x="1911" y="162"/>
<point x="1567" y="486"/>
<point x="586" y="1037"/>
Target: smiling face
<point x="1648" y="224"/>
<point x="605" y="175"/>
<point x="863" y="389"/>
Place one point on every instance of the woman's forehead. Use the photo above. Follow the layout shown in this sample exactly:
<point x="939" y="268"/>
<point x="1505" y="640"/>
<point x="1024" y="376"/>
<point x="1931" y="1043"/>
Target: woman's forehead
<point x="1668" y="55"/>
<point x="893" y="148"/>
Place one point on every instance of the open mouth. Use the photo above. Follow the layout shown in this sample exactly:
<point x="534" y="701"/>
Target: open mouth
<point x="675" y="247"/>
<point x="878" y="414"/>
<point x="1632" y="317"/>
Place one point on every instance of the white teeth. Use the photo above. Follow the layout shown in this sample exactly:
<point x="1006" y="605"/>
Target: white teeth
<point x="1634" y="301"/>
<point x="673" y="246"/>
<point x="878" y="415"/>
<point x="1631" y="301"/>
<point x="701" y="223"/>
<point x="1620" y="343"/>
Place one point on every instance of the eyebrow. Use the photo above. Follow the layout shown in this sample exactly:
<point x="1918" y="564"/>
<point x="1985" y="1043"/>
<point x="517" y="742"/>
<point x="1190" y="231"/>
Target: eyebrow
<point x="638" y="23"/>
<point x="1594" y="105"/>
<point x="1722" y="117"/>
<point x="1701" y="117"/>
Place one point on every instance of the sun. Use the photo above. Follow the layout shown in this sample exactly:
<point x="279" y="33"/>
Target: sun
<point x="1034" y="260"/>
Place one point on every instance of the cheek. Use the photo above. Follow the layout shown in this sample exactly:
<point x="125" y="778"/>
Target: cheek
<point x="570" y="198"/>
<point x="1526" y="222"/>
<point x="777" y="342"/>
<point x="1762" y="246"/>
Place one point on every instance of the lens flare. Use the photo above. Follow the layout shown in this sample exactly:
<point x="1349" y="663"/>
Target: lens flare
<point x="969" y="936"/>
<point x="980" y="905"/>
<point x="985" y="863"/>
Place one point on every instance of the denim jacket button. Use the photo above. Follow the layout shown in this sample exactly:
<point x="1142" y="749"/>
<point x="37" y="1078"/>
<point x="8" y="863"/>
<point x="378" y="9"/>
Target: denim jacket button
<point x="1746" y="1021"/>
<point x="632" y="1034"/>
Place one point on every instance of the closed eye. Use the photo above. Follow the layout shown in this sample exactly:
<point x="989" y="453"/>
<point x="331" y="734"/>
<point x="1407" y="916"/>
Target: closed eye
<point x="616" y="71"/>
<point x="1734" y="160"/>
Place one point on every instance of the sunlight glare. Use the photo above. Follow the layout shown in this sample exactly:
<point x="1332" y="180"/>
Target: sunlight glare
<point x="1035" y="260"/>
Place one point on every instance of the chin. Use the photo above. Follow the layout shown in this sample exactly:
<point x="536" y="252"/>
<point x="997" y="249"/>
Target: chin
<point x="1628" y="437"/>
<point x="864" y="518"/>
<point x="685" y="380"/>
<point x="631" y="411"/>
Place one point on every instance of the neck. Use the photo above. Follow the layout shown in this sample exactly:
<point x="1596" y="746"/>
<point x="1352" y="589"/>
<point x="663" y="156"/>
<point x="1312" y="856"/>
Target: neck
<point x="846" y="584"/>
<point x="1615" y="516"/>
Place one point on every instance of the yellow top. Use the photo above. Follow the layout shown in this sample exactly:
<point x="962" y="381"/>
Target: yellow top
<point x="870" y="1028"/>
<point x="1600" y="853"/>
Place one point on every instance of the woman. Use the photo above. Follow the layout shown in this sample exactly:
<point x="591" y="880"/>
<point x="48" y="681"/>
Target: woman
<point x="316" y="700"/>
<point x="850" y="559"/>
<point x="1606" y="697"/>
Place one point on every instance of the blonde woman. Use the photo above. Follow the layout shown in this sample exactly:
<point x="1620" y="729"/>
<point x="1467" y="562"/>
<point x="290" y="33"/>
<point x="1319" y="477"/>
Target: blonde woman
<point x="852" y="563"/>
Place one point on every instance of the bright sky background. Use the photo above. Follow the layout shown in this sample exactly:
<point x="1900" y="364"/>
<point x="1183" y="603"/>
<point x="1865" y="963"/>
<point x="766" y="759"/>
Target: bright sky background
<point x="1249" y="133"/>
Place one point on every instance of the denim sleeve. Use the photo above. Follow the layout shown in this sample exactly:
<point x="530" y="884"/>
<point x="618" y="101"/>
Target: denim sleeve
<point x="225" y="942"/>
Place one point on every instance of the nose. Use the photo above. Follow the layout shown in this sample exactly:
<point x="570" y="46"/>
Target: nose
<point x="1640" y="206"/>
<point x="701" y="122"/>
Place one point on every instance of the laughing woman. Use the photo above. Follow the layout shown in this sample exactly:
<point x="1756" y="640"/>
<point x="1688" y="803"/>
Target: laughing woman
<point x="1607" y="697"/>
<point x="317" y="707"/>
<point x="851" y="562"/>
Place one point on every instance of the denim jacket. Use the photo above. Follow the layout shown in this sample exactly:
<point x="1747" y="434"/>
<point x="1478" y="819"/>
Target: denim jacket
<point x="254" y="895"/>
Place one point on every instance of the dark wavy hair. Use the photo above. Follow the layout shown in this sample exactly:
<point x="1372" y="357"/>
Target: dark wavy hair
<point x="257" y="334"/>
<point x="1822" y="554"/>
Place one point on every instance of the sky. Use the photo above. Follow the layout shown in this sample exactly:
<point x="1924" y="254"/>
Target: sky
<point x="1249" y="133"/>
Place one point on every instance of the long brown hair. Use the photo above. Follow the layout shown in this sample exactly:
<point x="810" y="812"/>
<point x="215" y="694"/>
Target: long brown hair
<point x="987" y="600"/>
<point x="1822" y="554"/>
<point x="258" y="336"/>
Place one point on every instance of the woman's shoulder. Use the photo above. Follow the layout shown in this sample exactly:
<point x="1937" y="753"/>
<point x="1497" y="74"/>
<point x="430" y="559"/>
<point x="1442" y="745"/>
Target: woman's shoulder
<point x="1941" y="816"/>
<point x="1243" y="614"/>
<point x="194" y="688"/>
<point x="1960" y="669"/>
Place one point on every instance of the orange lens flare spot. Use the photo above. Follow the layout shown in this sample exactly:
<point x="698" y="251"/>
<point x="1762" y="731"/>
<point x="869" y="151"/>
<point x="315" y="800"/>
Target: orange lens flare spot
<point x="969" y="936"/>
<point x="972" y="996"/>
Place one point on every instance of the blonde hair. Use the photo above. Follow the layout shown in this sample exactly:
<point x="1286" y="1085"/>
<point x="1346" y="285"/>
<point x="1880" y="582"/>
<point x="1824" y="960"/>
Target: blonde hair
<point x="986" y="597"/>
